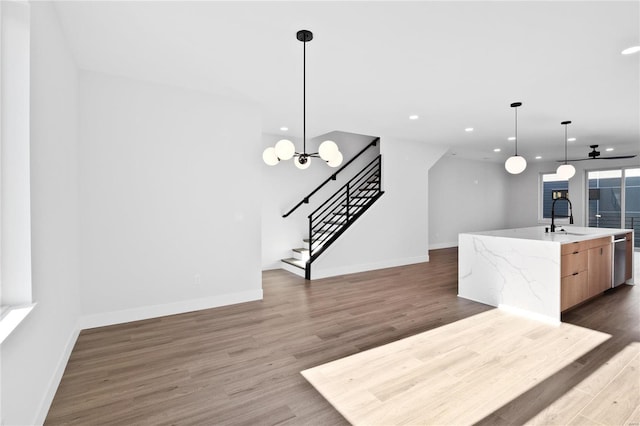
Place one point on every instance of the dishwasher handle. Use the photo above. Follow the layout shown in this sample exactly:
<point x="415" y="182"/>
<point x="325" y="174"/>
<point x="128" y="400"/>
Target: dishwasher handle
<point x="620" y="240"/>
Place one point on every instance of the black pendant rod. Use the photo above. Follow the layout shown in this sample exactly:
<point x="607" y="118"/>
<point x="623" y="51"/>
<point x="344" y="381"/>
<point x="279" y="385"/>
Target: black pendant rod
<point x="516" y="132"/>
<point x="304" y="36"/>
<point x="565" y="144"/>
<point x="564" y="123"/>
<point x="516" y="105"/>
<point x="304" y="96"/>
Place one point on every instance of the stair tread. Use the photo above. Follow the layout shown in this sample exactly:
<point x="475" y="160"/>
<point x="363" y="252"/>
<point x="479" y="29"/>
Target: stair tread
<point x="295" y="262"/>
<point x="316" y="240"/>
<point x="301" y="250"/>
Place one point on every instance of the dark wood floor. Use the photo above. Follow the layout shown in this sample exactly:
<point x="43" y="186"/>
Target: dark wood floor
<point x="241" y="364"/>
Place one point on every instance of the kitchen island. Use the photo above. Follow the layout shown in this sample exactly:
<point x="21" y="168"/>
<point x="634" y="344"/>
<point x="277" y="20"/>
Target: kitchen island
<point x="537" y="273"/>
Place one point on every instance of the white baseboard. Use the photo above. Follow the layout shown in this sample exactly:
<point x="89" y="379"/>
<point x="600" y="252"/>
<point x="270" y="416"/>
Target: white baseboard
<point x="352" y="269"/>
<point x="56" y="377"/>
<point x="437" y="246"/>
<point x="146" y="312"/>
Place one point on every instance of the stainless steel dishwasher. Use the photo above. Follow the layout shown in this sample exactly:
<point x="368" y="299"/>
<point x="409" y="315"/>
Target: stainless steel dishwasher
<point x="619" y="259"/>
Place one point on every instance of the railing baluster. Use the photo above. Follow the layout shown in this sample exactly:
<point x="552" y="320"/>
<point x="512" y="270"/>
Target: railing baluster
<point x="310" y="236"/>
<point x="348" y="196"/>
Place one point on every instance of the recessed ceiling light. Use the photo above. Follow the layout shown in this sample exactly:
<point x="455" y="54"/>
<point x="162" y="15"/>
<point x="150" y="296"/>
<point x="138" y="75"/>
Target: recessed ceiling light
<point x="630" y="50"/>
<point x="469" y="129"/>
<point x="538" y="157"/>
<point x="511" y="138"/>
<point x="413" y="117"/>
<point x="284" y="129"/>
<point x="496" y="150"/>
<point x="571" y="140"/>
<point x="609" y="149"/>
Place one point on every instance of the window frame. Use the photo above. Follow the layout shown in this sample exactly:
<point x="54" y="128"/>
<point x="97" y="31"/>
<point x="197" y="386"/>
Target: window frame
<point x="541" y="219"/>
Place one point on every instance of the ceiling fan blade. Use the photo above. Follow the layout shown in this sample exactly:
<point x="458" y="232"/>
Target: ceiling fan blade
<point x="619" y="157"/>
<point x="574" y="159"/>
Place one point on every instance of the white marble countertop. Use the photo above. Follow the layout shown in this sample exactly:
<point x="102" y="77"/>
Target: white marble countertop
<point x="572" y="234"/>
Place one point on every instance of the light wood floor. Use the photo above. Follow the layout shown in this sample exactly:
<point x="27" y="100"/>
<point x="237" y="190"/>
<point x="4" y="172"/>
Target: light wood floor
<point x="461" y="373"/>
<point x="241" y="364"/>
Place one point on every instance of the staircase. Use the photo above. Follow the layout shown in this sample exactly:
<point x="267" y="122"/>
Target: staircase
<point x="333" y="217"/>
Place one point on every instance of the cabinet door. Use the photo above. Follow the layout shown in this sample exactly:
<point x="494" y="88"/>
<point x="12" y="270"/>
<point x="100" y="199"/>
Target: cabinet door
<point x="573" y="290"/>
<point x="599" y="267"/>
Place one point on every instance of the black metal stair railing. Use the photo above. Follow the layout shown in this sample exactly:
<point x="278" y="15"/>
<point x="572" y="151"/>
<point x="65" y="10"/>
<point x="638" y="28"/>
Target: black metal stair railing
<point x="342" y="209"/>
<point x="305" y="200"/>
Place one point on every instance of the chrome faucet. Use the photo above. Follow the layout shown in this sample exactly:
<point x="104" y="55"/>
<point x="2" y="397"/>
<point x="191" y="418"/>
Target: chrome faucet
<point x="553" y="213"/>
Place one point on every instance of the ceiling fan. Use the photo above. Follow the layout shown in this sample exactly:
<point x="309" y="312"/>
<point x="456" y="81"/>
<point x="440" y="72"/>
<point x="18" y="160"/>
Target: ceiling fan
<point x="595" y="155"/>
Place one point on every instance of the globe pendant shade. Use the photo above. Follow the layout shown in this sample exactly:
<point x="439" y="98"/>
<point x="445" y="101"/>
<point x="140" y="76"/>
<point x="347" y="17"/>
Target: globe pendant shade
<point x="336" y="160"/>
<point x="566" y="171"/>
<point x="301" y="166"/>
<point x="285" y="149"/>
<point x="515" y="165"/>
<point x="328" y="150"/>
<point x="269" y="156"/>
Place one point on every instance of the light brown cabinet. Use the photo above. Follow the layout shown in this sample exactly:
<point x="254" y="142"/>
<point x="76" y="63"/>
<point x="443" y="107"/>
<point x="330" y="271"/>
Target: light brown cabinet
<point x="573" y="267"/>
<point x="585" y="270"/>
<point x="599" y="261"/>
<point x="574" y="290"/>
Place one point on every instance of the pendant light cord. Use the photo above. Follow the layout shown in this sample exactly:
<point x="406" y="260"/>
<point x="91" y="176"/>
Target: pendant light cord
<point x="565" y="144"/>
<point x="516" y="108"/>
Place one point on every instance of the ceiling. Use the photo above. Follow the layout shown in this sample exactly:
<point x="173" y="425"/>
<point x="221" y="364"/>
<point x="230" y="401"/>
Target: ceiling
<point x="372" y="64"/>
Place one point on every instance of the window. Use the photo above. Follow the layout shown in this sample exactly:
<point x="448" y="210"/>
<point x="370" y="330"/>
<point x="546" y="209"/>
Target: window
<point x="552" y="187"/>
<point x="614" y="199"/>
<point x="15" y="214"/>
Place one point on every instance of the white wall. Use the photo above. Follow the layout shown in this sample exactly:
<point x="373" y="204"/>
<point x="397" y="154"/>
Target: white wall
<point x="394" y="231"/>
<point x="465" y="196"/>
<point x="169" y="200"/>
<point x="284" y="186"/>
<point x="34" y="355"/>
<point x="523" y="190"/>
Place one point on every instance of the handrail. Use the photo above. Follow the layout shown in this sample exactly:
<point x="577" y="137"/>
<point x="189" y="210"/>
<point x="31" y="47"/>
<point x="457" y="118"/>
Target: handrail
<point x="305" y="200"/>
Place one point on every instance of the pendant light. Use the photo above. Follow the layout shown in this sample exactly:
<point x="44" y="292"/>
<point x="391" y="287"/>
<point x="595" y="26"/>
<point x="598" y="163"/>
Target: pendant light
<point x="565" y="171"/>
<point x="516" y="164"/>
<point x="285" y="149"/>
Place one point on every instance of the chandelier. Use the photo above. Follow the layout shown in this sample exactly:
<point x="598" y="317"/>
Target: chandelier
<point x="285" y="149"/>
